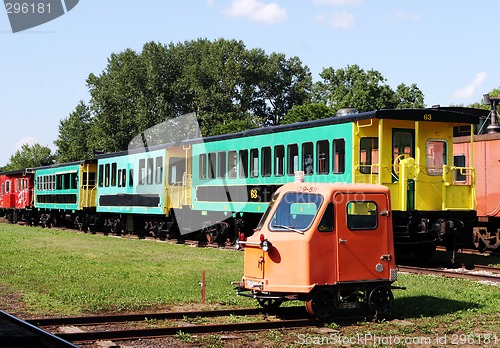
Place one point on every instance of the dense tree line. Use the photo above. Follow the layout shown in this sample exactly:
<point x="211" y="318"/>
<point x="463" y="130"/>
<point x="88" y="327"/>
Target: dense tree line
<point x="229" y="87"/>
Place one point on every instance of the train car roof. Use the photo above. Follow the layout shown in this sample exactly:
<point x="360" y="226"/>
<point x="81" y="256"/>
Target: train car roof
<point x="14" y="172"/>
<point x="58" y="165"/>
<point x="439" y="114"/>
<point x="134" y="151"/>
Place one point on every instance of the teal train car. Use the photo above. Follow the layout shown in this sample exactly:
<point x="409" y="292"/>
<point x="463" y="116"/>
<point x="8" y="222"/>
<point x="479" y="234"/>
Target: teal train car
<point x="64" y="192"/>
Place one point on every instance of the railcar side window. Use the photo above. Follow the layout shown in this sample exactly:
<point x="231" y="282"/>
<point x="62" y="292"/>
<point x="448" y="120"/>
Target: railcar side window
<point x="150" y="171"/>
<point x="459" y="161"/>
<point x="203" y="166"/>
<point x="295" y="212"/>
<point x="7" y="186"/>
<point x="113" y="173"/>
<point x="221" y="168"/>
<point x="437" y="155"/>
<point x="368" y="155"/>
<point x="131" y="177"/>
<point x="232" y="160"/>
<point x="292" y="159"/>
<point x="243" y="164"/>
<point x="279" y="160"/>
<point x="307" y="158"/>
<point x="211" y="165"/>
<point x="323" y="156"/>
<point x="177" y="167"/>
<point x="326" y="223"/>
<point x="101" y="175"/>
<point x="158" y="170"/>
<point x="266" y="161"/>
<point x="254" y="163"/>
<point x="106" y="174"/>
<point x="338" y="151"/>
<point x="362" y="215"/>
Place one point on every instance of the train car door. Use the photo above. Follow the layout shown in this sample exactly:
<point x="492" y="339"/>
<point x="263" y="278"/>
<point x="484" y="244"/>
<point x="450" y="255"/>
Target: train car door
<point x="362" y="236"/>
<point x="403" y="147"/>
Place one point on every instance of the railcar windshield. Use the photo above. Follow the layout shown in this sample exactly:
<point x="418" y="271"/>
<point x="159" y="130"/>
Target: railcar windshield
<point x="296" y="212"/>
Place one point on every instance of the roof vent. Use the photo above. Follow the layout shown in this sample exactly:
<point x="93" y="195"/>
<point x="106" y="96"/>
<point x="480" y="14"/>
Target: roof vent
<point x="347" y="111"/>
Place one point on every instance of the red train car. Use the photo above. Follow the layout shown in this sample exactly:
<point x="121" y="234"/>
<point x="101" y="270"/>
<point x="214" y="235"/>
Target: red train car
<point x="16" y="194"/>
<point x="486" y="163"/>
<point x="329" y="245"/>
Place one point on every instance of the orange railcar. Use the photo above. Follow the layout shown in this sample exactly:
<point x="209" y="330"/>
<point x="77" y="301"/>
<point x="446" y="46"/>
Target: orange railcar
<point x="330" y="245"/>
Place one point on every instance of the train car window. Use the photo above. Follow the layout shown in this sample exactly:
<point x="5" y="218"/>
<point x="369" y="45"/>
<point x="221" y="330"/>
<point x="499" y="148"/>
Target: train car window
<point x="131" y="177"/>
<point x="203" y="166"/>
<point x="362" y="215"/>
<point x="3" y="189"/>
<point x="177" y="167"/>
<point x="232" y="160"/>
<point x="159" y="170"/>
<point x="142" y="171"/>
<point x="307" y="158"/>
<point x="326" y="223"/>
<point x="120" y="181"/>
<point x="254" y="163"/>
<point x="292" y="159"/>
<point x="402" y="143"/>
<point x="101" y="175"/>
<point x="459" y="161"/>
<point x="338" y="160"/>
<point x="58" y="182"/>
<point x="279" y="160"/>
<point x="436" y="156"/>
<point x="266" y="161"/>
<point x="52" y="182"/>
<point x="323" y="156"/>
<point x="114" y="168"/>
<point x="88" y="179"/>
<point x="211" y="165"/>
<point x="150" y="171"/>
<point x="243" y="171"/>
<point x="221" y="165"/>
<point x="123" y="176"/>
<point x="106" y="174"/>
<point x="7" y="186"/>
<point x="74" y="181"/>
<point x="368" y="155"/>
<point x="66" y="182"/>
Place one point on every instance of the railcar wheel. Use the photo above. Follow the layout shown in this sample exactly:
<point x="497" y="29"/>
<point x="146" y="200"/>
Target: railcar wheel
<point x="269" y="304"/>
<point x="322" y="304"/>
<point x="380" y="299"/>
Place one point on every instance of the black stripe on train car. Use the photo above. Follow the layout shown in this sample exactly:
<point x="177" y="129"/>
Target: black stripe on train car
<point x="130" y="200"/>
<point x="236" y="193"/>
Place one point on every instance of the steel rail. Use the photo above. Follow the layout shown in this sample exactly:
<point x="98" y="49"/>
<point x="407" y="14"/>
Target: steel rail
<point x="450" y="273"/>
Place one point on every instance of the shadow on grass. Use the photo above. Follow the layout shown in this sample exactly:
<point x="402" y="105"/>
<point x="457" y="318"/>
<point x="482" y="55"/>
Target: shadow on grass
<point x="428" y="306"/>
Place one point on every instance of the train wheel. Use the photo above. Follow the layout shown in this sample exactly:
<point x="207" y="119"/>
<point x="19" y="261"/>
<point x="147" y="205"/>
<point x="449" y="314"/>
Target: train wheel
<point x="380" y="299"/>
<point x="269" y="304"/>
<point x="322" y="304"/>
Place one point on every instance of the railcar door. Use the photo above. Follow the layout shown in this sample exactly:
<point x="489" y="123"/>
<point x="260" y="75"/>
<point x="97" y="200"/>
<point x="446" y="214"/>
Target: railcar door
<point x="362" y="236"/>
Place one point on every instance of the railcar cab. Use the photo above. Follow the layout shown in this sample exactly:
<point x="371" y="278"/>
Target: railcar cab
<point x="330" y="245"/>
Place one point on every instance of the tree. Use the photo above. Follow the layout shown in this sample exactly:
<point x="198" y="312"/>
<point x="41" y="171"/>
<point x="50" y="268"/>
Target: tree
<point x="74" y="131"/>
<point x="30" y="157"/>
<point x="363" y="90"/>
<point x="308" y="112"/>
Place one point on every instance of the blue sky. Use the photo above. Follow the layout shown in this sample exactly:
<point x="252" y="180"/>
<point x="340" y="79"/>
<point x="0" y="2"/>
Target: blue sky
<point x="446" y="47"/>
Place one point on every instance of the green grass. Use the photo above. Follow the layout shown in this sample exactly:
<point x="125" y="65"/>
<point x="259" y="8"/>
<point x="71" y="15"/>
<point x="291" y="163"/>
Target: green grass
<point x="63" y="272"/>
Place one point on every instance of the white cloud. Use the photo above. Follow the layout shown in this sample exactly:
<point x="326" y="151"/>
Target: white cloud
<point x="470" y="90"/>
<point x="257" y="11"/>
<point x="337" y="2"/>
<point x="210" y="3"/>
<point x="343" y="20"/>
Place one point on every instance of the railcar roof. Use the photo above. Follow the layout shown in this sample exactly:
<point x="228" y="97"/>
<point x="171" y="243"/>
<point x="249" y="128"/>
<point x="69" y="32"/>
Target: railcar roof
<point x="134" y="151"/>
<point x="439" y="114"/>
<point x="59" y="165"/>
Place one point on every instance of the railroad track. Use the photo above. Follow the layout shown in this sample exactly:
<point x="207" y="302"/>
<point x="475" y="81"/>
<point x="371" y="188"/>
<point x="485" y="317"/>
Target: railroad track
<point x="289" y="317"/>
<point x="476" y="272"/>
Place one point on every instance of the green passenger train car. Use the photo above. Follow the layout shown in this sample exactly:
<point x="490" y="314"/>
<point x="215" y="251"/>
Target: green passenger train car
<point x="63" y="191"/>
<point x="408" y="150"/>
